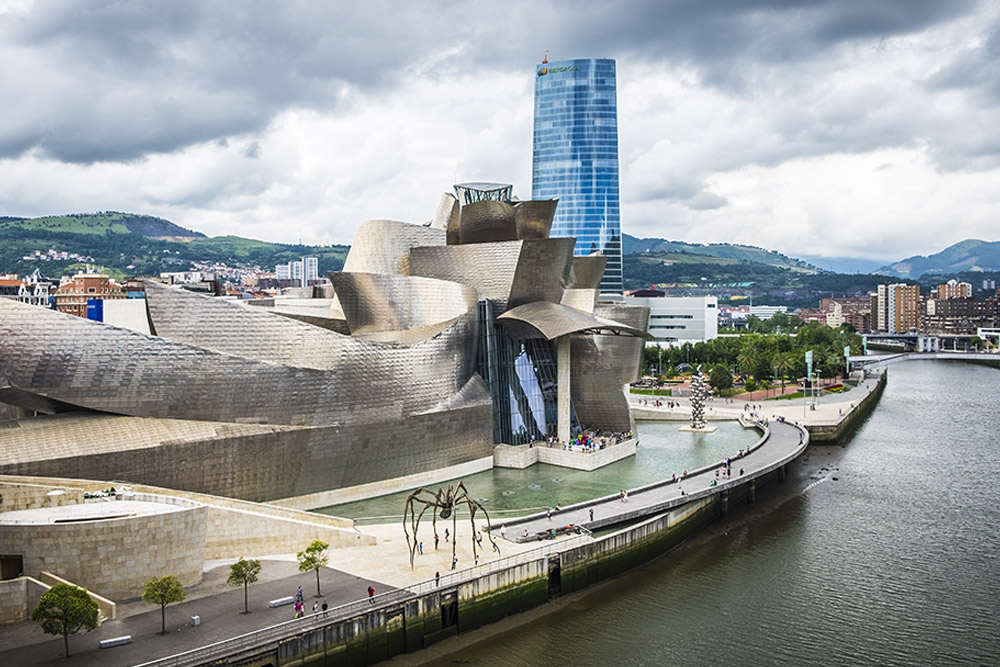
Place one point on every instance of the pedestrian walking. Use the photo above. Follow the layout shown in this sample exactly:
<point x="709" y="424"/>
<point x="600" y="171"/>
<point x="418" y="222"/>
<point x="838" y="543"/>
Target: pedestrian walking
<point x="437" y="578"/>
<point x="591" y="513"/>
<point x="325" y="607"/>
<point x="503" y="531"/>
<point x="446" y="535"/>
<point x="548" y="514"/>
<point x="454" y="562"/>
<point x="420" y="548"/>
<point x="315" y="607"/>
<point x="436" y="538"/>
<point x="298" y="595"/>
<point x="371" y="594"/>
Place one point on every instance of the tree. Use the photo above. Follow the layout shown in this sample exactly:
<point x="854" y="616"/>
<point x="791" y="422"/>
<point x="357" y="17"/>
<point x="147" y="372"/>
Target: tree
<point x="720" y="378"/>
<point x="65" y="610"/>
<point x="782" y="363"/>
<point x="313" y="558"/>
<point x="163" y="591"/>
<point x="244" y="572"/>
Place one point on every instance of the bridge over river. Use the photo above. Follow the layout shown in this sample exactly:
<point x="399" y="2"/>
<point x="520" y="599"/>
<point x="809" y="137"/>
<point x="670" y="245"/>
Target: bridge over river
<point x="882" y="360"/>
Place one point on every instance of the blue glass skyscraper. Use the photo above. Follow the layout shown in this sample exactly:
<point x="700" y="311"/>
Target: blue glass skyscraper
<point x="575" y="156"/>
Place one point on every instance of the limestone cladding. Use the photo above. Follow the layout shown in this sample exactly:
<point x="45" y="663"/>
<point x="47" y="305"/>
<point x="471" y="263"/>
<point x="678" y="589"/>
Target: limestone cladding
<point x="234" y="528"/>
<point x="114" y="557"/>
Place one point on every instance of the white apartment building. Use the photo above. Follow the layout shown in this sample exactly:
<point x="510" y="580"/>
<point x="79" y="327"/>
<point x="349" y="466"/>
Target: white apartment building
<point x="675" y="320"/>
<point x="303" y="270"/>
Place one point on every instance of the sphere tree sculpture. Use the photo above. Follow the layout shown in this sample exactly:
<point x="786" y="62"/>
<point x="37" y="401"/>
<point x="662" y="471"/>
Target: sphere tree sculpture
<point x="698" y="395"/>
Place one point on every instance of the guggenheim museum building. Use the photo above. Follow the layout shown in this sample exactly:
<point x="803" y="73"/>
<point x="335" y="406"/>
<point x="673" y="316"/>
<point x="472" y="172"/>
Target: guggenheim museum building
<point x="435" y="343"/>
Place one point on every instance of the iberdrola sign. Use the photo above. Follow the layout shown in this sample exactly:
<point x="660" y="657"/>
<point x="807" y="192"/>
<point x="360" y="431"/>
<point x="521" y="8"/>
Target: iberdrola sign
<point x="553" y="70"/>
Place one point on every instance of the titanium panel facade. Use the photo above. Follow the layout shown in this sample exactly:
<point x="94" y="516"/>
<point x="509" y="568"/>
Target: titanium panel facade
<point x="383" y="246"/>
<point x="575" y="156"/>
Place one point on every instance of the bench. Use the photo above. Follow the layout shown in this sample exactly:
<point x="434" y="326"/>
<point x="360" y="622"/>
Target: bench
<point x="115" y="641"/>
<point x="281" y="602"/>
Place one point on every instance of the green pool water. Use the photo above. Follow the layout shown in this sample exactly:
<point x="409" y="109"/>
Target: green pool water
<point x="663" y="451"/>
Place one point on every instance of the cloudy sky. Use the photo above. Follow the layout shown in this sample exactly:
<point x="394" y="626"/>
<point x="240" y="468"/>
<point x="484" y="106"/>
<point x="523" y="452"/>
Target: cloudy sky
<point x="852" y="128"/>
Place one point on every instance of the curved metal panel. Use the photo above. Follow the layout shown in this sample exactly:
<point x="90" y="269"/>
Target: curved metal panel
<point x="113" y="370"/>
<point x="581" y="299"/>
<point x="447" y="216"/>
<point x="587" y="271"/>
<point x="383" y="246"/>
<point x="542" y="270"/>
<point x="513" y="271"/>
<point x="489" y="268"/>
<point x="551" y="320"/>
<point x="533" y="219"/>
<point x="384" y="303"/>
<point x="599" y="399"/>
<point x="487" y="222"/>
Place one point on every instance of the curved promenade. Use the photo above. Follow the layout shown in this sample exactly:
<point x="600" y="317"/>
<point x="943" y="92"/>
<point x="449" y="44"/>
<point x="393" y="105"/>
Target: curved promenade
<point x="781" y="443"/>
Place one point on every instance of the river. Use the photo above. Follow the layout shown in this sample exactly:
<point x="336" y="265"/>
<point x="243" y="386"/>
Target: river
<point x="884" y="553"/>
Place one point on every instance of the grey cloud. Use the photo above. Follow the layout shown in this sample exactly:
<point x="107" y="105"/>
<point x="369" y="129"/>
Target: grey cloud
<point x="99" y="81"/>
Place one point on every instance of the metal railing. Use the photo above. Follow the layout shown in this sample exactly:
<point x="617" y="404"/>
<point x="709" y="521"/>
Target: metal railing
<point x="260" y="638"/>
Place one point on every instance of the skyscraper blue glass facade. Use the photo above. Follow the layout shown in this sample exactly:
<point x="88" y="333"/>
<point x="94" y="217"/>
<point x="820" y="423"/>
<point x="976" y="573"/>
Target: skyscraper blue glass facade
<point x="575" y="156"/>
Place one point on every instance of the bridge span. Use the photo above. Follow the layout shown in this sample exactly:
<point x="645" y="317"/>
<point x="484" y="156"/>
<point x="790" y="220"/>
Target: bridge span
<point x="882" y="360"/>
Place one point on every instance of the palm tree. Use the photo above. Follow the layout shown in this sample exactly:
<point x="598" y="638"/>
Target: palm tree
<point x="748" y="359"/>
<point x="781" y="364"/>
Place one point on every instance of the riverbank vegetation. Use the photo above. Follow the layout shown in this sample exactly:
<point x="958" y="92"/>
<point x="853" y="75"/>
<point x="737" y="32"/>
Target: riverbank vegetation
<point x="758" y="360"/>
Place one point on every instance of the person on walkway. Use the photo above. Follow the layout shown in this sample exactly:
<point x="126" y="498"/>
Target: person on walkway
<point x="548" y="514"/>
<point x="446" y="535"/>
<point x="371" y="594"/>
<point x="436" y="539"/>
<point x="437" y="578"/>
<point x="420" y="548"/>
<point x="315" y="607"/>
<point x="741" y="472"/>
<point x="591" y="513"/>
<point x="624" y="496"/>
<point x="503" y="531"/>
<point x="298" y="595"/>
<point x="454" y="562"/>
<point x="325" y="607"/>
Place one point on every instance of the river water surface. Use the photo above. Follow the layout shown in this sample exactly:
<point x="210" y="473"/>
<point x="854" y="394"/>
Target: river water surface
<point x="894" y="562"/>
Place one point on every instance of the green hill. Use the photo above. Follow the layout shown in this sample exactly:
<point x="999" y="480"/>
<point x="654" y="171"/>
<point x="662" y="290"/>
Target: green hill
<point x="129" y="244"/>
<point x="968" y="255"/>
<point x="656" y="247"/>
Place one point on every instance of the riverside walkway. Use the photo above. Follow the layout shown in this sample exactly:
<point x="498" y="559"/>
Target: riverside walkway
<point x="781" y="443"/>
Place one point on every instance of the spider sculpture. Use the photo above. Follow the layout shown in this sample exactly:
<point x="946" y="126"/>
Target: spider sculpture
<point x="445" y="504"/>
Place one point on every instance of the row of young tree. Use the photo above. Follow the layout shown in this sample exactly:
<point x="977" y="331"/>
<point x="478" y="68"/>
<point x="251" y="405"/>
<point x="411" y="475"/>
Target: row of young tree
<point x="66" y="610"/>
<point x="758" y="358"/>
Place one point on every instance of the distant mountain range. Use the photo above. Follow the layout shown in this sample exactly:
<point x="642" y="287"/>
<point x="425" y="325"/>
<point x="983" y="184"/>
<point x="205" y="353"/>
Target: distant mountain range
<point x="133" y="244"/>
<point x="741" y="253"/>
<point x="968" y="255"/>
<point x="965" y="256"/>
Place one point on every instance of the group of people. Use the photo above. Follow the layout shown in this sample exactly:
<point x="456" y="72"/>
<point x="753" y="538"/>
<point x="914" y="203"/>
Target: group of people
<point x="591" y="441"/>
<point x="300" y="608"/>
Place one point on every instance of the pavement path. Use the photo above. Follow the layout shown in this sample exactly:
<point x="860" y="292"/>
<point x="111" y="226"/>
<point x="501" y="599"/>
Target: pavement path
<point x="220" y="611"/>
<point x="782" y="444"/>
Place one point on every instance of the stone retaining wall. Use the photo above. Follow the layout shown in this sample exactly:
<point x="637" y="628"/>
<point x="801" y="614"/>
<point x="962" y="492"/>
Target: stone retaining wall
<point x="522" y="456"/>
<point x="114" y="556"/>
